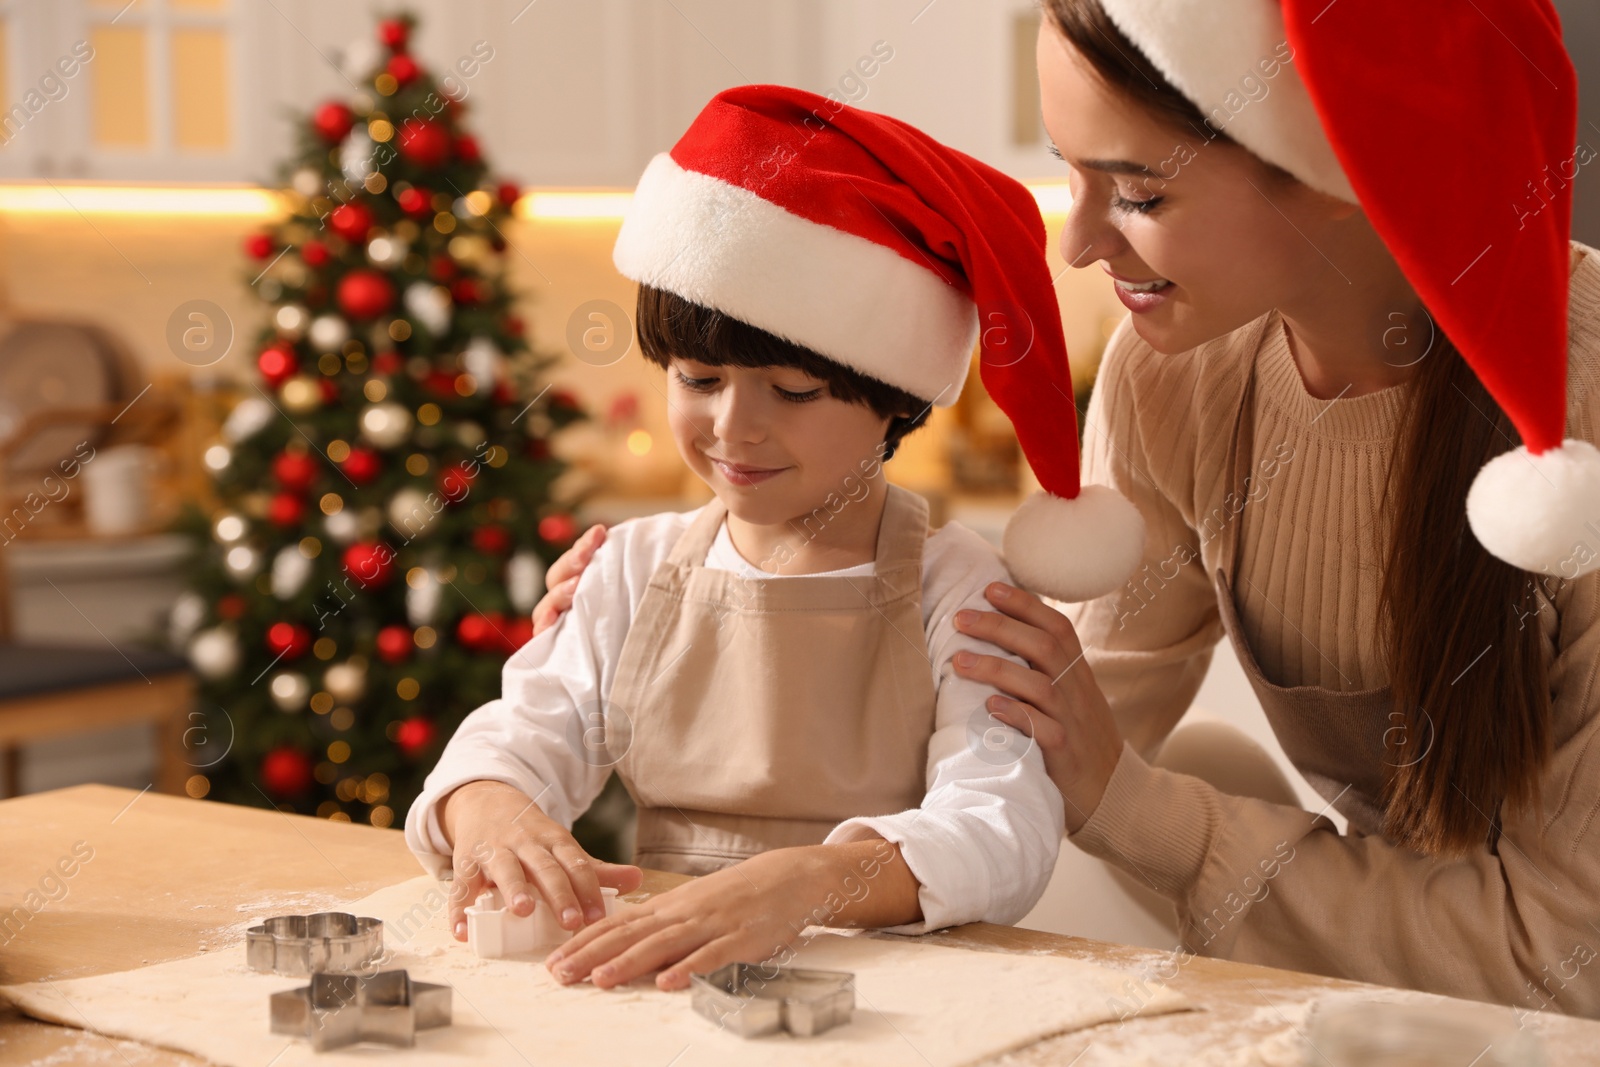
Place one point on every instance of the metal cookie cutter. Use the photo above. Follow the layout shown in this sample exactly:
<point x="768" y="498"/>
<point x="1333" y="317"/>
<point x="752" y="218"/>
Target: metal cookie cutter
<point x="336" y="1010"/>
<point x="331" y="941"/>
<point x="494" y="931"/>
<point x="754" y="1000"/>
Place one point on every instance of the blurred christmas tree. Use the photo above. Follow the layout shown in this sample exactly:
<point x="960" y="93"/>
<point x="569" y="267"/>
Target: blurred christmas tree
<point x="385" y="492"/>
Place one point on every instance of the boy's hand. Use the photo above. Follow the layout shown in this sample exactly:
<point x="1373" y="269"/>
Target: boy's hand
<point x="748" y="912"/>
<point x="499" y="837"/>
<point x="561" y="580"/>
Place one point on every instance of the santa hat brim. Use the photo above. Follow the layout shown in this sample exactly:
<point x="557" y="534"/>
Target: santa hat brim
<point x="844" y="297"/>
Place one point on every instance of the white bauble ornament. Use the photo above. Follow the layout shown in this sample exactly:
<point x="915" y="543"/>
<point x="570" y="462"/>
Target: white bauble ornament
<point x="342" y="526"/>
<point x="386" y="251"/>
<point x="411" y="514"/>
<point x="290" y="569"/>
<point x="359" y="58"/>
<point x="301" y="394"/>
<point x="328" y="332"/>
<point x="524" y="580"/>
<point x="228" y="528"/>
<point x="422" y="598"/>
<point x="482" y="360"/>
<point x="430" y="305"/>
<point x="248" y="418"/>
<point x="470" y="434"/>
<point x="217" y="457"/>
<point x="291" y="319"/>
<point x="355" y="155"/>
<point x="386" y="425"/>
<point x="242" y="562"/>
<point x="290" y="690"/>
<point x="346" y="682"/>
<point x="188" y="612"/>
<point x="215" y="652"/>
<point x="307" y="182"/>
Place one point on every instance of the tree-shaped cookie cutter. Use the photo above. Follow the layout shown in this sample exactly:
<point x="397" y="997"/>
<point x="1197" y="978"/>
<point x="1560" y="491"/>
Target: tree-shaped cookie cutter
<point x="754" y="1000"/>
<point x="336" y="1010"/>
<point x="494" y="931"/>
<point x="298" y="945"/>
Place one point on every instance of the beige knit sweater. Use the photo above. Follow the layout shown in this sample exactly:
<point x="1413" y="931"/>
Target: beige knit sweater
<point x="1516" y="925"/>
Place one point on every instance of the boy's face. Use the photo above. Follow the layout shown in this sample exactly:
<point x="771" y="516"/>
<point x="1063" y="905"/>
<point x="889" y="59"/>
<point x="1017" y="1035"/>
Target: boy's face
<point x="772" y="442"/>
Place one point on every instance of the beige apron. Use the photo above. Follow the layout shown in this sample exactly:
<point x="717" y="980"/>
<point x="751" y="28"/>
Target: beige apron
<point x="1324" y="732"/>
<point x="764" y="712"/>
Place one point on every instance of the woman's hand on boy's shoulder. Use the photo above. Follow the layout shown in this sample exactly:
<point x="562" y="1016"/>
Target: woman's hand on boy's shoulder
<point x="501" y="838"/>
<point x="561" y="580"/>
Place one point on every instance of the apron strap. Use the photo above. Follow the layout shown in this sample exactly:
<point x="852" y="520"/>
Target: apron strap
<point x="902" y="531"/>
<point x="693" y="544"/>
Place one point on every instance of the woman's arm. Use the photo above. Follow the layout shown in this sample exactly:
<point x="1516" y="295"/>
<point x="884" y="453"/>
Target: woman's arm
<point x="984" y="838"/>
<point x="1266" y="883"/>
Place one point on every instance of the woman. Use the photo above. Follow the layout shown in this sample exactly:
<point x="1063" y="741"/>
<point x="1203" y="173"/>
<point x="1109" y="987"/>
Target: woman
<point x="1300" y="430"/>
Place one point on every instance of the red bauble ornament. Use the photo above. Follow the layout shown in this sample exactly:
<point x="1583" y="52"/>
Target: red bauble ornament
<point x="361" y="465"/>
<point x="386" y="362"/>
<point x="403" y="69"/>
<point x="538" y="448"/>
<point x="370" y="563"/>
<point x="230" y="606"/>
<point x="518" y="632"/>
<point x="393" y="33"/>
<point x="493" y="539"/>
<point x="277" y="364"/>
<point x="455" y="482"/>
<point x="333" y="121"/>
<point x="508" y="194"/>
<point x="467" y="149"/>
<point x="314" y="254"/>
<point x="258" y="245"/>
<point x="286" y="771"/>
<point x="394" y="643"/>
<point x="329" y="391"/>
<point x="558" y="529"/>
<point x="365" y="294"/>
<point x="288" y="640"/>
<point x="513" y="325"/>
<point x="564" y="398"/>
<point x="442" y="383"/>
<point x="479" y="632"/>
<point x="294" y="470"/>
<point x="415" y="735"/>
<point x="351" y="221"/>
<point x="415" y="202"/>
<point x="466" y="291"/>
<point x="424" y="142"/>
<point x="286" y="509"/>
<point x="442" y="268"/>
<point x="502" y="392"/>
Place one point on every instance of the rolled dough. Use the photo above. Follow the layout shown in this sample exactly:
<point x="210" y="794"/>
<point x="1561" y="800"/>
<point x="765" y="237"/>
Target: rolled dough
<point x="918" y="1005"/>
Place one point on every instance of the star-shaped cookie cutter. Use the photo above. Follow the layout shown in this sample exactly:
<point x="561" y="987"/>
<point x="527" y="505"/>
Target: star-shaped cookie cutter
<point x="299" y="945"/>
<point x="336" y="1010"/>
<point x="754" y="1000"/>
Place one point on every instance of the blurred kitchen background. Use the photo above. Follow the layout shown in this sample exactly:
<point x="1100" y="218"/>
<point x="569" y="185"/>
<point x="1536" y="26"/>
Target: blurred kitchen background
<point x="145" y="149"/>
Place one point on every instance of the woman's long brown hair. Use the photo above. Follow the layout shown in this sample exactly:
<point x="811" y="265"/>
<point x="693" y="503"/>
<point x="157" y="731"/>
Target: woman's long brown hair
<point x="1471" y="726"/>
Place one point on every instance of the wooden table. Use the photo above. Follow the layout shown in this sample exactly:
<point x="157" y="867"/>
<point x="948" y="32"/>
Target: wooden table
<point x="168" y="877"/>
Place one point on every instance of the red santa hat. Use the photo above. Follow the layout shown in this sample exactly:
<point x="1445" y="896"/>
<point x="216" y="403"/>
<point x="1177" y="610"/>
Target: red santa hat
<point x="1466" y="177"/>
<point x="870" y="243"/>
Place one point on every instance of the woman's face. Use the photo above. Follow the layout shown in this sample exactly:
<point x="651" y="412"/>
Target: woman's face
<point x="1232" y="238"/>
<point x="771" y="442"/>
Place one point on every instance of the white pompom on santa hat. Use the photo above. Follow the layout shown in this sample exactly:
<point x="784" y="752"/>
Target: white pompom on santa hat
<point x="870" y="243"/>
<point x="1466" y="178"/>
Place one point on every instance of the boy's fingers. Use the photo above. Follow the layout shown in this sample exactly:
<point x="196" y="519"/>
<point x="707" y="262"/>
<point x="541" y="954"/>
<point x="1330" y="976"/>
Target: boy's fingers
<point x="623" y="877"/>
<point x="505" y="870"/>
<point x="703" y="960"/>
<point x="583" y="877"/>
<point x="554" y="885"/>
<point x="556" y="600"/>
<point x="464" y="889"/>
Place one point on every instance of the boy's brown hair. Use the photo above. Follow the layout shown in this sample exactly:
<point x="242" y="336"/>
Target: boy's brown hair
<point x="670" y="325"/>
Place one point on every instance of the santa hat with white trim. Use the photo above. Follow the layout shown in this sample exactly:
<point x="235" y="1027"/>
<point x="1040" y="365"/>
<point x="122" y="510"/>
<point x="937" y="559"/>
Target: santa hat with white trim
<point x="870" y="243"/>
<point x="1466" y="177"/>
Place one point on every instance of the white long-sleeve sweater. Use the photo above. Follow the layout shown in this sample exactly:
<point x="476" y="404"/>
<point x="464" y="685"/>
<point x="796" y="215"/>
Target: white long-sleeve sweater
<point x="983" y="842"/>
